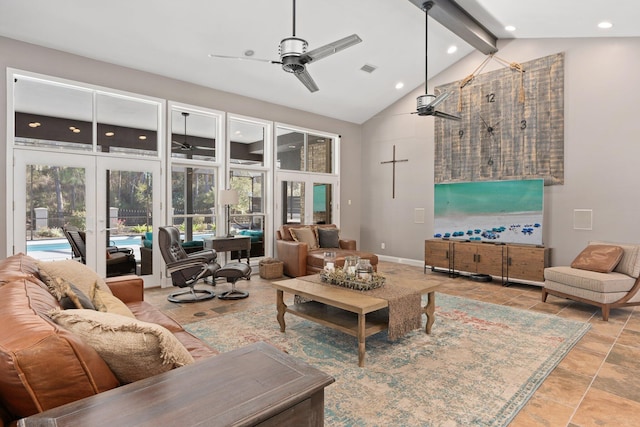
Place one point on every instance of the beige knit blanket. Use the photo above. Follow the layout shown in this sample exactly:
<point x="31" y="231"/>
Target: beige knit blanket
<point x="404" y="305"/>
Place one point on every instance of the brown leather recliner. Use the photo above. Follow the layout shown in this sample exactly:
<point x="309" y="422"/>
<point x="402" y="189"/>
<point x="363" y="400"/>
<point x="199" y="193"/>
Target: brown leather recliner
<point x="301" y="260"/>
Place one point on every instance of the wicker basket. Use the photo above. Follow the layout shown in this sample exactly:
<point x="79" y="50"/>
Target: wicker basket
<point x="271" y="268"/>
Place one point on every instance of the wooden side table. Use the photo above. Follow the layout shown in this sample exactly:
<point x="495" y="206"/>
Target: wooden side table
<point x="228" y="244"/>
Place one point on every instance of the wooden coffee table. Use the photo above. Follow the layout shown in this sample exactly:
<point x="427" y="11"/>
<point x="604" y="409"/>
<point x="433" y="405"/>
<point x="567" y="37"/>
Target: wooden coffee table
<point x="348" y="311"/>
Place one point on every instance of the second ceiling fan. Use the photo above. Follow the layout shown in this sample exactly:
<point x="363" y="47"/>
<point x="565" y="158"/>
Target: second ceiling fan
<point x="294" y="56"/>
<point x="426" y="104"/>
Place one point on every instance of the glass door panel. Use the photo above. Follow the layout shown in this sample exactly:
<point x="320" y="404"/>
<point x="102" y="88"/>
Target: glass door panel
<point x="293" y="202"/>
<point x="306" y="199"/>
<point x="50" y="193"/>
<point x="193" y="191"/>
<point x="247" y="217"/>
<point x="129" y="202"/>
<point x="55" y="200"/>
<point x="322" y="202"/>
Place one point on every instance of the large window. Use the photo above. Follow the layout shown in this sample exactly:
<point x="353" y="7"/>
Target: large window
<point x="58" y="115"/>
<point x="307" y="182"/>
<point x="304" y="151"/>
<point x="195" y="169"/>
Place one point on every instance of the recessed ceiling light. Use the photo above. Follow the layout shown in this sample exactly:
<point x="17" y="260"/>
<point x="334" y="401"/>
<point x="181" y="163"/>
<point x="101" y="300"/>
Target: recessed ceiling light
<point x="248" y="52"/>
<point x="605" y="25"/>
<point x="510" y="28"/>
<point x="399" y="85"/>
<point x="109" y="134"/>
<point x="452" y="49"/>
<point x="142" y="137"/>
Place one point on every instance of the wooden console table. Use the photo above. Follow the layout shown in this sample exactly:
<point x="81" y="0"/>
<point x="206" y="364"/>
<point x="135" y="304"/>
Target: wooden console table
<point x="228" y="244"/>
<point x="508" y="261"/>
<point x="254" y="385"/>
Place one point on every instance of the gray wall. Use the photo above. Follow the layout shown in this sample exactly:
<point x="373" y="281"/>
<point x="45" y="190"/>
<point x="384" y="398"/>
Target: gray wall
<point x="37" y="59"/>
<point x="602" y="148"/>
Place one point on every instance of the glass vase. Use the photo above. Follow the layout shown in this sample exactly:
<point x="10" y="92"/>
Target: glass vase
<point x="364" y="270"/>
<point x="351" y="264"/>
<point x="329" y="261"/>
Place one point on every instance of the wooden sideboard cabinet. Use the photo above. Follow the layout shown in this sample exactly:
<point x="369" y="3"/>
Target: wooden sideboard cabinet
<point x="437" y="252"/>
<point x="507" y="261"/>
<point x="478" y="258"/>
<point x="527" y="262"/>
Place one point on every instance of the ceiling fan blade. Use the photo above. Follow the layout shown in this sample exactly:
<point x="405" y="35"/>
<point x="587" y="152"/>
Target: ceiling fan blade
<point x="445" y="115"/>
<point x="211" y="55"/>
<point x="306" y="80"/>
<point x="438" y="100"/>
<point x="330" y="49"/>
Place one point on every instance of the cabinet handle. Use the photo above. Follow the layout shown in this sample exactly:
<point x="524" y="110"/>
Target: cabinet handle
<point x="446" y="254"/>
<point x="509" y="261"/>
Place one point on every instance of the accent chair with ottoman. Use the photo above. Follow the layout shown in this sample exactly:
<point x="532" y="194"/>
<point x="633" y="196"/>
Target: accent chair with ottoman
<point x="301" y="248"/>
<point x="187" y="269"/>
<point x="604" y="274"/>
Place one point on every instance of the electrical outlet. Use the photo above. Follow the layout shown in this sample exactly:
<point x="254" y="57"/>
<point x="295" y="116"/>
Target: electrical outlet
<point x="382" y="246"/>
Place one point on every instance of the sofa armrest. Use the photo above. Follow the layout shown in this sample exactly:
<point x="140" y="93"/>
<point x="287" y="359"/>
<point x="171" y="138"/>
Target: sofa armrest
<point x="347" y="244"/>
<point x="294" y="257"/>
<point x="126" y="288"/>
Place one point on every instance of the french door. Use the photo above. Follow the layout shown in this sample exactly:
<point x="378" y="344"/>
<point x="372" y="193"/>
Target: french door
<point x="305" y="198"/>
<point x="112" y="200"/>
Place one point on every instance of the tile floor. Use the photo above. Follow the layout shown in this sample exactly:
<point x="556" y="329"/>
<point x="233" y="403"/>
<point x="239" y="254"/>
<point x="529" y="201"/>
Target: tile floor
<point x="597" y="383"/>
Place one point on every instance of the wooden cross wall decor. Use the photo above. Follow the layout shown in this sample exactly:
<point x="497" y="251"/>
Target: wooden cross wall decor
<point x="393" y="163"/>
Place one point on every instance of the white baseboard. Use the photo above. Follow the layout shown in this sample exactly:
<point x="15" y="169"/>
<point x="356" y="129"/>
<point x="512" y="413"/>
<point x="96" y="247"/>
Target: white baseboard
<point x="412" y="262"/>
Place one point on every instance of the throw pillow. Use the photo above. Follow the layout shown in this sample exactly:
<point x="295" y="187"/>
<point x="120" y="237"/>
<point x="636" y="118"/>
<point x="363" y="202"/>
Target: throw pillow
<point x="305" y="235"/>
<point x="75" y="272"/>
<point x="600" y="258"/>
<point x="75" y="298"/>
<point x="108" y="303"/>
<point x="328" y="237"/>
<point x="66" y="292"/>
<point x="134" y="350"/>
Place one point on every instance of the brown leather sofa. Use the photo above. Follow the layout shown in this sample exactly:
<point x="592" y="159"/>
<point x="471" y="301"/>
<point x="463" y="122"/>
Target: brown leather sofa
<point x="299" y="260"/>
<point x="42" y="365"/>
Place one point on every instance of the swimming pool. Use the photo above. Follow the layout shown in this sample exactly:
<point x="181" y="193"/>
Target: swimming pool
<point x="57" y="245"/>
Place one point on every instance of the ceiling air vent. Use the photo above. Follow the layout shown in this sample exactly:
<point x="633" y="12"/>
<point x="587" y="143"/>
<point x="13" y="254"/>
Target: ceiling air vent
<point x="368" y="68"/>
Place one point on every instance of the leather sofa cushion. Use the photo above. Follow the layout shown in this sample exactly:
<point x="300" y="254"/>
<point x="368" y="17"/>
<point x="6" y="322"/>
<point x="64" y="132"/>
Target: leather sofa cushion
<point x="285" y="230"/>
<point x="42" y="365"/>
<point x="316" y="258"/>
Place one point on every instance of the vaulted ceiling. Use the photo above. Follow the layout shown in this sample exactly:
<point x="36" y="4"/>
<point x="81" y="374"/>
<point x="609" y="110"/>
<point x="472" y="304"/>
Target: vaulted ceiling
<point x="174" y="39"/>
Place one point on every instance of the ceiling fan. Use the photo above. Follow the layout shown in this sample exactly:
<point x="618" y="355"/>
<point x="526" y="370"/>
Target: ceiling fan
<point x="294" y="55"/>
<point x="184" y="145"/>
<point x="426" y="104"/>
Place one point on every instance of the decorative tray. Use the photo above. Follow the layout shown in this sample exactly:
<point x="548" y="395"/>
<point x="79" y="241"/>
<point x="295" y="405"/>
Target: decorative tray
<point x="339" y="278"/>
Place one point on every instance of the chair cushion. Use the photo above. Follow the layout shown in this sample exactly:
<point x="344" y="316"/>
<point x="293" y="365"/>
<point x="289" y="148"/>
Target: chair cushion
<point x="328" y="237"/>
<point x="590" y="280"/>
<point x="305" y="235"/>
<point x="601" y="258"/>
<point x="134" y="350"/>
<point x="630" y="262"/>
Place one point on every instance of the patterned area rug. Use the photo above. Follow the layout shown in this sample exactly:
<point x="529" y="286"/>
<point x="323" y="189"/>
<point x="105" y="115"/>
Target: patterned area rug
<point x="479" y="366"/>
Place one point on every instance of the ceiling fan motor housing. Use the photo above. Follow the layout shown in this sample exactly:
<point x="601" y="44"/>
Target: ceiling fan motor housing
<point x="291" y="49"/>
<point x="423" y="102"/>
